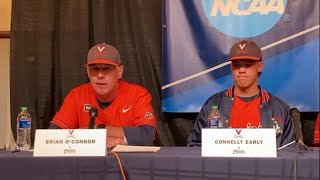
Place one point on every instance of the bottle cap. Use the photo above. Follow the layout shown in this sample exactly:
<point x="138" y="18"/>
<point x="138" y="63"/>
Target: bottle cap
<point x="24" y="108"/>
<point x="214" y="107"/>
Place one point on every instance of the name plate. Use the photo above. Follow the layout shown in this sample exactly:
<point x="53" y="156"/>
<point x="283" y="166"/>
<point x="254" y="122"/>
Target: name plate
<point x="70" y="142"/>
<point x="239" y="142"/>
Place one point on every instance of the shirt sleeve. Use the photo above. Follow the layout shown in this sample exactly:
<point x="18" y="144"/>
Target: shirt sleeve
<point x="194" y="138"/>
<point x="142" y="136"/>
<point x="288" y="129"/>
<point x="53" y="126"/>
<point x="67" y="117"/>
<point x="143" y="111"/>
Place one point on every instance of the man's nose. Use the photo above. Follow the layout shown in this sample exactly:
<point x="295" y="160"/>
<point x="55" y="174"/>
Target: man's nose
<point x="100" y="74"/>
<point x="242" y="69"/>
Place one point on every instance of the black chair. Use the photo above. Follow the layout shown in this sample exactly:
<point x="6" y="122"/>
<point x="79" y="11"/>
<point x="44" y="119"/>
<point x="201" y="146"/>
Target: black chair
<point x="308" y="121"/>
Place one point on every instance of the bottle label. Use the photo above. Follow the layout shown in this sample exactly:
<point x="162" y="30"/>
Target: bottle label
<point x="213" y="123"/>
<point x="24" y="123"/>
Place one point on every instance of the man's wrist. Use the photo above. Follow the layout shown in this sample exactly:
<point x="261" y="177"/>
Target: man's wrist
<point x="125" y="142"/>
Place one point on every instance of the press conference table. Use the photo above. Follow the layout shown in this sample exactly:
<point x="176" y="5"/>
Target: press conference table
<point x="169" y="163"/>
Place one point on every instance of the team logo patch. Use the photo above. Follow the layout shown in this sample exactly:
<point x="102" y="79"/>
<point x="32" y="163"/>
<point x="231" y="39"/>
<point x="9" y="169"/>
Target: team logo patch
<point x="148" y="115"/>
<point x="275" y="124"/>
<point x="86" y="107"/>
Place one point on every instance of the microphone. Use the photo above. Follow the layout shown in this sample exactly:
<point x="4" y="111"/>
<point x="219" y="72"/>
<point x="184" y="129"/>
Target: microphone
<point x="93" y="113"/>
<point x="295" y="115"/>
<point x="101" y="126"/>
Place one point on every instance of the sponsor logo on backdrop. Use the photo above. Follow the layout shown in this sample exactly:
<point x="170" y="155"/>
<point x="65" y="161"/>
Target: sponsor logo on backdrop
<point x="244" y="18"/>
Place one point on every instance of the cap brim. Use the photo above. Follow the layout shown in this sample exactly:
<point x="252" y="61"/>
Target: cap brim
<point x="244" y="58"/>
<point x="102" y="61"/>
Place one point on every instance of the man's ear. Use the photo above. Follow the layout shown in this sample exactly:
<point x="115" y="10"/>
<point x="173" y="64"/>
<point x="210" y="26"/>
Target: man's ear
<point x="120" y="70"/>
<point x="261" y="65"/>
<point x="87" y="67"/>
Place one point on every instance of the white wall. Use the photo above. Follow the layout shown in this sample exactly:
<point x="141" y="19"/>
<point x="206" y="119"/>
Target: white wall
<point x="5" y="15"/>
<point x="5" y="125"/>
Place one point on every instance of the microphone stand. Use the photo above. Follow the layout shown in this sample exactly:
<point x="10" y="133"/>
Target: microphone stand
<point x="93" y="113"/>
<point x="91" y="123"/>
<point x="295" y="115"/>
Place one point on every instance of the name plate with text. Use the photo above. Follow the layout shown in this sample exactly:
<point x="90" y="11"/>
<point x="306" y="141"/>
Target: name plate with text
<point x="70" y="142"/>
<point x="239" y="142"/>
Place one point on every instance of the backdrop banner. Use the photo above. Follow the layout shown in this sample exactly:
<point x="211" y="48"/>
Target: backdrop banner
<point x="198" y="35"/>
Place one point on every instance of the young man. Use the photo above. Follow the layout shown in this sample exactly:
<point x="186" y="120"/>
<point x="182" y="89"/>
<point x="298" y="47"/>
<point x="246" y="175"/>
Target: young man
<point x="124" y="109"/>
<point x="246" y="104"/>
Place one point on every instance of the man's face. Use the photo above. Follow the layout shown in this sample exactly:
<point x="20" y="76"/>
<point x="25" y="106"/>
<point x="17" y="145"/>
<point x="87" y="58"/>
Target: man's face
<point x="245" y="72"/>
<point x="104" y="78"/>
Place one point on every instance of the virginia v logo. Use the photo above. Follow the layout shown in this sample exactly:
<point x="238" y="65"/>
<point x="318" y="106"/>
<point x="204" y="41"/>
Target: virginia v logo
<point x="238" y="134"/>
<point x="242" y="46"/>
<point x="235" y="17"/>
<point x="100" y="49"/>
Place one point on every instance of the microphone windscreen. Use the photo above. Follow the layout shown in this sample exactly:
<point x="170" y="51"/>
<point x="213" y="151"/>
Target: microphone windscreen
<point x="93" y="112"/>
<point x="101" y="126"/>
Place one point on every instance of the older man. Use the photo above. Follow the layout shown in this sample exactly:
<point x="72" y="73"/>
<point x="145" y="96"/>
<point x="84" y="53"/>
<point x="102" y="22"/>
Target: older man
<point x="124" y="109"/>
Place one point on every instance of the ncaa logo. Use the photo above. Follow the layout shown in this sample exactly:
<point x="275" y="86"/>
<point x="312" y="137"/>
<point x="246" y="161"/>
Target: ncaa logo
<point x="244" y="18"/>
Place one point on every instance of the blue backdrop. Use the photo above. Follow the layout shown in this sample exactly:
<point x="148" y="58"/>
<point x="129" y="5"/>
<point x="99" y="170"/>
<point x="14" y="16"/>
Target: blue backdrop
<point x="198" y="34"/>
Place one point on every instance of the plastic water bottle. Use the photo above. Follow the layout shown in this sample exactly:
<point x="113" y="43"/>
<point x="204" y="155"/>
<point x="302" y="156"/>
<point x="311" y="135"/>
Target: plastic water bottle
<point x="214" y="119"/>
<point x="24" y="129"/>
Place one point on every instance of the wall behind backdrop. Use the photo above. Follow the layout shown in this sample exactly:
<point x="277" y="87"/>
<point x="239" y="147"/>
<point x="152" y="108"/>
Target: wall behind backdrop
<point x="6" y="136"/>
<point x="49" y="44"/>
